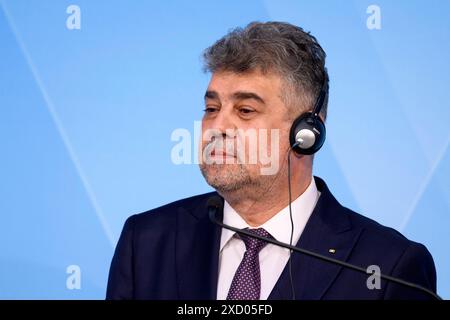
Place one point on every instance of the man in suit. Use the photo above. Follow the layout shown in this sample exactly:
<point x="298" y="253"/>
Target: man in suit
<point x="263" y="77"/>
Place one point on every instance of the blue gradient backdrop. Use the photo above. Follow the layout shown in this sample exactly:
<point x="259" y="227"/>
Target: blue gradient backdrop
<point x="86" y="118"/>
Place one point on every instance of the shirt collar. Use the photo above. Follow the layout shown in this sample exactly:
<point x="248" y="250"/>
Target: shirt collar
<point x="277" y="226"/>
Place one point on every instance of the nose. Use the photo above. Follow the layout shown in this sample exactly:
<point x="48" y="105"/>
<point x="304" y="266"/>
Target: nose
<point x="223" y="123"/>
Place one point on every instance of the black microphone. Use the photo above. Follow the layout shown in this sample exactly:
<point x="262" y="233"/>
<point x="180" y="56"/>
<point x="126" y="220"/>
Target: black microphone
<point x="215" y="203"/>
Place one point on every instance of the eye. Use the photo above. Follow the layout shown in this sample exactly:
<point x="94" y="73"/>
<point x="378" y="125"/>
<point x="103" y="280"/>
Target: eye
<point x="246" y="111"/>
<point x="210" y="109"/>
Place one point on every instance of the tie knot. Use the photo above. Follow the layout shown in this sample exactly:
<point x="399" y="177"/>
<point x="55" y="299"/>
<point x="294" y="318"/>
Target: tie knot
<point x="253" y="244"/>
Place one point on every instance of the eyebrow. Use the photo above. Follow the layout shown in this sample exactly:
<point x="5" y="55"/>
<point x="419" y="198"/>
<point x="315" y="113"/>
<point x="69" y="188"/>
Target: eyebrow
<point x="240" y="95"/>
<point x="211" y="95"/>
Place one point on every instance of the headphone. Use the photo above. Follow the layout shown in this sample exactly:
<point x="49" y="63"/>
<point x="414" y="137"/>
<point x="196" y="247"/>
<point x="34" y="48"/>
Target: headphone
<point x="308" y="132"/>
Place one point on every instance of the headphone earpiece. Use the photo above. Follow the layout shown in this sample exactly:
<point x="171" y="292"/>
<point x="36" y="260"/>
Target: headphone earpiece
<point x="309" y="132"/>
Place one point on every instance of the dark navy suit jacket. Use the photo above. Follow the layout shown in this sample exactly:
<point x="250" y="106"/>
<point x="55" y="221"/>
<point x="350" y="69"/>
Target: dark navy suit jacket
<point x="172" y="252"/>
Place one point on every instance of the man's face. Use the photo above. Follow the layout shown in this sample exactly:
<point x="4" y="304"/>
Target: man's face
<point x="245" y="120"/>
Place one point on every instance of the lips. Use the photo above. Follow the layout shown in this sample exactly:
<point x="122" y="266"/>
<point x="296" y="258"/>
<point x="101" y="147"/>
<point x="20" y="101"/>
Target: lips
<point x="218" y="153"/>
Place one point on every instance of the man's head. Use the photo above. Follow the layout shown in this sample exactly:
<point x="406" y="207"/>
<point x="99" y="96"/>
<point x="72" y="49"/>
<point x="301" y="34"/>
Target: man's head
<point x="263" y="77"/>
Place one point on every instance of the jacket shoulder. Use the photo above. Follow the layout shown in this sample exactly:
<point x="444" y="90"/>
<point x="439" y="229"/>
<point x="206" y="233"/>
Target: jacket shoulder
<point x="388" y="243"/>
<point x="166" y="214"/>
<point x="380" y="234"/>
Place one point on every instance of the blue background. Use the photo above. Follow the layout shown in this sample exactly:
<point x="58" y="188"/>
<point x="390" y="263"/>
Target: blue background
<point x="86" y="118"/>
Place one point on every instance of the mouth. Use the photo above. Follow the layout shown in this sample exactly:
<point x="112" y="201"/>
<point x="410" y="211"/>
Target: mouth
<point x="222" y="157"/>
<point x="223" y="154"/>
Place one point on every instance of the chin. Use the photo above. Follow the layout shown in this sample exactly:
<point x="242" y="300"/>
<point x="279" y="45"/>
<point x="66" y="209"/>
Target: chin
<point x="223" y="179"/>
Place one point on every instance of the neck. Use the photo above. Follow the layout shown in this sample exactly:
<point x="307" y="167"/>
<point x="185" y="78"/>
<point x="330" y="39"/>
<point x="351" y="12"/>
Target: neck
<point x="256" y="205"/>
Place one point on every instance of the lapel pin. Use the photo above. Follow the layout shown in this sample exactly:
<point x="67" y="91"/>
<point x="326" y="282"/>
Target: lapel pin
<point x="332" y="250"/>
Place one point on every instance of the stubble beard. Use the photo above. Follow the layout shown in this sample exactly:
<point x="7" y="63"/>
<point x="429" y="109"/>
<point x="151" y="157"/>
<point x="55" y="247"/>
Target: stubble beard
<point x="226" y="178"/>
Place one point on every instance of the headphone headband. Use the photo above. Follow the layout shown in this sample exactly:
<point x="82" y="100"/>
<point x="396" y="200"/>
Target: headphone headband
<point x="321" y="98"/>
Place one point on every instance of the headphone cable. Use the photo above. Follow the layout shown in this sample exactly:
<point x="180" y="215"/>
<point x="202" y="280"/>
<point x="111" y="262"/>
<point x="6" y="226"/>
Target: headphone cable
<point x="291" y="218"/>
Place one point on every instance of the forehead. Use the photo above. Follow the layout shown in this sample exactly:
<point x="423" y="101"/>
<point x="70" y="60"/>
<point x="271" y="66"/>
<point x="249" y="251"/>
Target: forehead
<point x="226" y="82"/>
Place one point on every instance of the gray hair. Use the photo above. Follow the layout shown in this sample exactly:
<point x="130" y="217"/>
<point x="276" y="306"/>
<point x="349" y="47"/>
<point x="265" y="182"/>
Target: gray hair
<point x="278" y="47"/>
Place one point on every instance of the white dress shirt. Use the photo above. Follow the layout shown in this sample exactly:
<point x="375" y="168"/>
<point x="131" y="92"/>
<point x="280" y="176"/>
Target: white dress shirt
<point x="272" y="259"/>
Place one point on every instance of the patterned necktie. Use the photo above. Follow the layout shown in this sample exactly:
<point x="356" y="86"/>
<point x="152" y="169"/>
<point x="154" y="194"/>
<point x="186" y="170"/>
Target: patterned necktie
<point x="246" y="284"/>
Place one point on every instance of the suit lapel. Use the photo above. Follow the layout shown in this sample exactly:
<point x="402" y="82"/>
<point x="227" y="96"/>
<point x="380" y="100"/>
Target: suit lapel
<point x="197" y="253"/>
<point x="198" y="242"/>
<point x="328" y="228"/>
